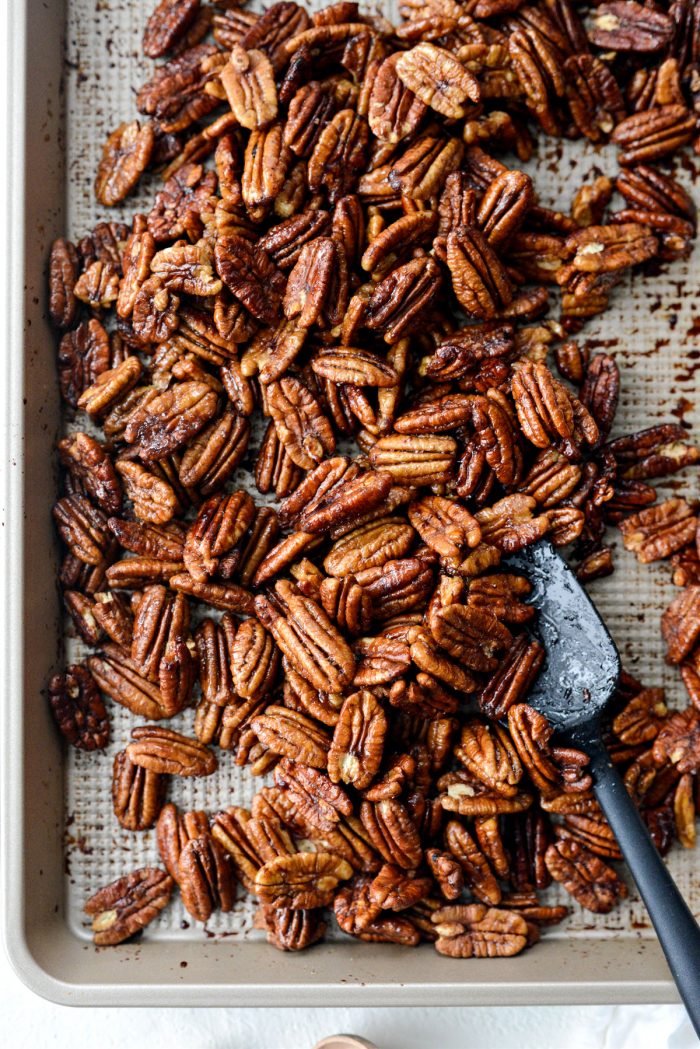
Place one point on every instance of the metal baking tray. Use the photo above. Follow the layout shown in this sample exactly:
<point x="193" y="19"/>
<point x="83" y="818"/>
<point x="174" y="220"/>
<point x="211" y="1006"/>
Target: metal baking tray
<point x="73" y="70"/>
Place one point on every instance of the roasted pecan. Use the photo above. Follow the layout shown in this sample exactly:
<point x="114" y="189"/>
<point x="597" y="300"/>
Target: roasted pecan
<point x="78" y="708"/>
<point x="600" y="393"/>
<point x="126" y="906"/>
<point x="508" y="525"/>
<point x="162" y="750"/>
<point x="647" y="136"/>
<point x="640" y="720"/>
<point x="320" y="801"/>
<point x="110" y="386"/>
<point x="167" y="25"/>
<point x="64" y="269"/>
<point x="402" y="297"/>
<point x="137" y="794"/>
<point x="551" y="769"/>
<point x="447" y="872"/>
<point x="249" y="82"/>
<point x="334" y="494"/>
<point x="302" y="427"/>
<point x="594" y="96"/>
<point x="438" y="79"/>
<point x="228" y="597"/>
<point x="213" y="455"/>
<point x="369" y="546"/>
<point x="394" y="889"/>
<point x="359" y="916"/>
<point x="230" y="829"/>
<point x="339" y="155"/>
<point x="90" y="465"/>
<point x="415" y="460"/>
<point x="358" y="741"/>
<point x="292" y="735"/>
<point x="655" y="191"/>
<point x="504" y="206"/>
<point x="392" y="832"/>
<point x="475" y="931"/>
<point x="205" y="878"/>
<point x="303" y="880"/>
<point x="98" y="285"/>
<point x="584" y="875"/>
<point x="655" y="452"/>
<point x="478" y="875"/>
<point x="471" y="636"/>
<point x="680" y="624"/>
<point x="171" y="419"/>
<point x="178" y="206"/>
<point x="488" y="753"/>
<point x="317" y="289"/>
<point x="479" y="279"/>
<point x="623" y="25"/>
<point x="394" y="110"/>
<point x="684" y="811"/>
<point x="512" y="680"/>
<point x="220" y="523"/>
<point x="125" y="156"/>
<point x="160" y="646"/>
<point x="658" y="531"/>
<point x="445" y="526"/>
<point x="293" y="930"/>
<point x="678" y="741"/>
<point x="254" y="660"/>
<point x="83" y="528"/>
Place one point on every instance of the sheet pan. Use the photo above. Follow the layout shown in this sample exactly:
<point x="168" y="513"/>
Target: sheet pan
<point x="72" y="77"/>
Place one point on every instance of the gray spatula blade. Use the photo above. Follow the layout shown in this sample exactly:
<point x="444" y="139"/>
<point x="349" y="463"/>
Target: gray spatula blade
<point x="582" y="663"/>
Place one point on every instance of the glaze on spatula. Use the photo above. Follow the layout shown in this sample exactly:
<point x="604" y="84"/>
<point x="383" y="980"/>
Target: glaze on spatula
<point x="578" y="679"/>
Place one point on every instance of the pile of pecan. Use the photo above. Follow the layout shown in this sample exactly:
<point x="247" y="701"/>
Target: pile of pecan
<point x="340" y="248"/>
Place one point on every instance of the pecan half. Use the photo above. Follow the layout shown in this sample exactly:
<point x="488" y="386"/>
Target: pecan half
<point x="162" y="750"/>
<point x="303" y="880"/>
<point x="475" y="931"/>
<point x="78" y="709"/>
<point x="479" y="278"/>
<point x="392" y="832"/>
<point x="658" y="531"/>
<point x="301" y="426"/>
<point x="308" y="639"/>
<point x="292" y="735"/>
<point x="438" y="79"/>
<point x="137" y="794"/>
<point x="584" y="876"/>
<point x="357" y="747"/>
<point x="126" y="906"/>
<point x="64" y="270"/>
<point x="249" y="82"/>
<point x="88" y="462"/>
<point x="205" y="878"/>
<point x="125" y="156"/>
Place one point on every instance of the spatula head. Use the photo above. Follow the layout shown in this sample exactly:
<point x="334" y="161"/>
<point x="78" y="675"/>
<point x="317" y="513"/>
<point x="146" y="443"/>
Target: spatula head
<point x="582" y="664"/>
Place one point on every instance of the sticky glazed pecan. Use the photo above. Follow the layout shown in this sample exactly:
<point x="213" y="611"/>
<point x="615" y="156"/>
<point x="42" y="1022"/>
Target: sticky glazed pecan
<point x="348" y="290"/>
<point x="126" y="906"/>
<point x="78" y="708"/>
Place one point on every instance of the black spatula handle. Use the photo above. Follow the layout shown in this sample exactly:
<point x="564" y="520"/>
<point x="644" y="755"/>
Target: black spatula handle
<point x="675" y="925"/>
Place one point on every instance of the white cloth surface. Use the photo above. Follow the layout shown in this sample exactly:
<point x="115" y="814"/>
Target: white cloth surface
<point x="29" y="1022"/>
